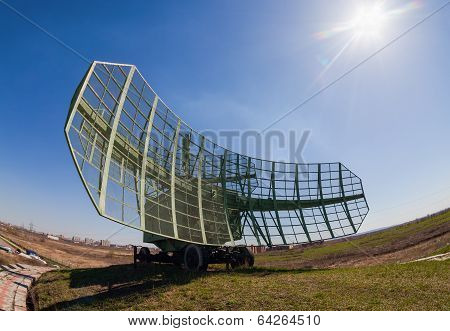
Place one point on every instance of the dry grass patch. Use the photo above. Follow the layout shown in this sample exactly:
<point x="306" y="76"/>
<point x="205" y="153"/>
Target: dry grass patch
<point x="412" y="286"/>
<point x="67" y="253"/>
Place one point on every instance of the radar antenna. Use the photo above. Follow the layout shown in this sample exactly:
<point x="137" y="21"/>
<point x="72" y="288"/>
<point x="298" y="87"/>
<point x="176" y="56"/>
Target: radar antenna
<point x="143" y="167"/>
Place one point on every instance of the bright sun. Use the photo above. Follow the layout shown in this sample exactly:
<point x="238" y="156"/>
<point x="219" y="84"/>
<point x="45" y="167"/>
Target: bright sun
<point x="368" y="21"/>
<point x="368" y="25"/>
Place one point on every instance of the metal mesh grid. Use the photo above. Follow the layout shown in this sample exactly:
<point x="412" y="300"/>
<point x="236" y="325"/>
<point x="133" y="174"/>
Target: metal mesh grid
<point x="144" y="167"/>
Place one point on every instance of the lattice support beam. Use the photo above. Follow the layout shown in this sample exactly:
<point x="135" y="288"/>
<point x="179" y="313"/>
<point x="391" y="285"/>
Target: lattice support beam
<point x="112" y="138"/>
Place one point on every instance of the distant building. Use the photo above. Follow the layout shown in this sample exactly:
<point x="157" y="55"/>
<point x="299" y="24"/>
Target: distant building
<point x="278" y="248"/>
<point x="89" y="241"/>
<point x="257" y="249"/>
<point x="49" y="236"/>
<point x="104" y="243"/>
<point x="76" y="239"/>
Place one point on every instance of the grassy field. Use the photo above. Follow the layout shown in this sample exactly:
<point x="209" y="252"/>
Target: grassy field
<point x="6" y="258"/>
<point x="66" y="253"/>
<point x="400" y="243"/>
<point x="442" y="250"/>
<point x="361" y="273"/>
<point x="411" y="286"/>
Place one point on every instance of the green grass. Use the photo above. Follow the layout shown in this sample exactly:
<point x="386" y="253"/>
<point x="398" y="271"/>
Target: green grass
<point x="442" y="250"/>
<point x="412" y="286"/>
<point x="374" y="243"/>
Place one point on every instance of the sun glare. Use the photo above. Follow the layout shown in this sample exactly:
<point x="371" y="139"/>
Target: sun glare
<point x="369" y="21"/>
<point x="369" y="25"/>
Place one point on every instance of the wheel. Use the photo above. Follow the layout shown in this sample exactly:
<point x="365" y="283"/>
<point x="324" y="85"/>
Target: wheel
<point x="194" y="258"/>
<point x="249" y="258"/>
<point x="250" y="261"/>
<point x="245" y="257"/>
<point x="144" y="254"/>
<point x="234" y="263"/>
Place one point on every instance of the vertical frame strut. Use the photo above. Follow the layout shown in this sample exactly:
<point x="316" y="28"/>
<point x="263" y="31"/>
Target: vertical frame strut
<point x="347" y="211"/>
<point x="297" y="190"/>
<point x="324" y="214"/>
<point x="112" y="138"/>
<point x="223" y="175"/>
<point x="269" y="241"/>
<point x="79" y="95"/>
<point x="145" y="159"/>
<point x="172" y="180"/>
<point x="275" y="207"/>
<point x="199" y="188"/>
<point x="250" y="204"/>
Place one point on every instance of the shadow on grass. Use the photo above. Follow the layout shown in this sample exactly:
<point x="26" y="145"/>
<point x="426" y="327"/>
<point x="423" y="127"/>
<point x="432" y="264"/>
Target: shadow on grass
<point x="117" y="287"/>
<point x="126" y="274"/>
<point x="261" y="270"/>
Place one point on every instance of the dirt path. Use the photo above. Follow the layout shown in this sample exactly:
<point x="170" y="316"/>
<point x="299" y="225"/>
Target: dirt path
<point x="438" y="257"/>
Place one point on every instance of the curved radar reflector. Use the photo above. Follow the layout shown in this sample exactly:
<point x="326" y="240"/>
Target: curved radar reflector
<point x="143" y="167"/>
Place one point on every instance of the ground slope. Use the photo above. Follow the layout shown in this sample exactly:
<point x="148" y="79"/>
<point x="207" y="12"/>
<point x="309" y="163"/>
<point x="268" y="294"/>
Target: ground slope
<point x="333" y="276"/>
<point x="406" y="242"/>
<point x="67" y="253"/>
<point x="411" y="286"/>
<point x="10" y="258"/>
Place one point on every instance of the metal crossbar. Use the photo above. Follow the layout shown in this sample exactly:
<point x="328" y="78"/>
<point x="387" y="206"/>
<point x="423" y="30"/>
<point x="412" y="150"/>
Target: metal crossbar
<point x="138" y="160"/>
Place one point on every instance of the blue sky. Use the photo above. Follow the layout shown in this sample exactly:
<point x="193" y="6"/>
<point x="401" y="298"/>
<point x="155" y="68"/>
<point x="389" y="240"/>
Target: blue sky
<point x="231" y="65"/>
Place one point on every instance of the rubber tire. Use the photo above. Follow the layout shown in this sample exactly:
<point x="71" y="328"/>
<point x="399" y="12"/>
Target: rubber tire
<point x="234" y="264"/>
<point x="249" y="258"/>
<point x="144" y="254"/>
<point x="194" y="259"/>
<point x="250" y="261"/>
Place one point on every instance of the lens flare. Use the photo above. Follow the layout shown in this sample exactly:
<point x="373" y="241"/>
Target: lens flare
<point x="368" y="24"/>
<point x="369" y="20"/>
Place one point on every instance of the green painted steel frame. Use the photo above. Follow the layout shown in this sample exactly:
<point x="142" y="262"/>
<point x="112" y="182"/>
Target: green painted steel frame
<point x="248" y="199"/>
